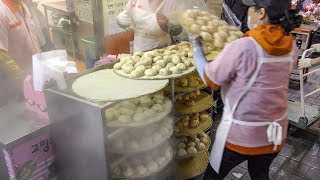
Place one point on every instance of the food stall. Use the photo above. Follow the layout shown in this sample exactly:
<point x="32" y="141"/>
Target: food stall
<point x="147" y="116"/>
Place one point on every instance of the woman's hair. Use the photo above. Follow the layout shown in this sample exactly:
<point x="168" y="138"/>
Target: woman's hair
<point x="289" y="19"/>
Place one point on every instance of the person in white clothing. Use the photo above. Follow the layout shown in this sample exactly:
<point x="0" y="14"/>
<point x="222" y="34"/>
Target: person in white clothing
<point x="149" y="19"/>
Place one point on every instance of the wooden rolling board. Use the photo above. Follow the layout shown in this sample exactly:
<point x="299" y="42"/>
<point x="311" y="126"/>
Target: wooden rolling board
<point x="203" y="102"/>
<point x="190" y="168"/>
<point x="204" y="126"/>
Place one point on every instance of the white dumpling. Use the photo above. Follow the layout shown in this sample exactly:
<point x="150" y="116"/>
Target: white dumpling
<point x="150" y="72"/>
<point x="175" y="70"/>
<point x="206" y="36"/>
<point x="181" y="66"/>
<point x="182" y="152"/>
<point x="157" y="58"/>
<point x="135" y="59"/>
<point x="161" y="161"/>
<point x="145" y="101"/>
<point x="138" y="54"/>
<point x="134" y="101"/>
<point x="188" y="63"/>
<point x="109" y="115"/>
<point x="156" y="68"/>
<point x="157" y="108"/>
<point x="116" y="113"/>
<point x="161" y="63"/>
<point x="128" y="172"/>
<point x="118" y="65"/>
<point x="152" y="166"/>
<point x="116" y="171"/>
<point x="140" y="109"/>
<point x="223" y="34"/>
<point x="125" y="111"/>
<point x="141" y="170"/>
<point x="148" y="113"/>
<point x="128" y="69"/>
<point x="137" y="73"/>
<point x="176" y="60"/>
<point x="128" y="105"/>
<point x="137" y="117"/>
<point x="195" y="28"/>
<point x="167" y="53"/>
<point x="169" y="65"/>
<point x="164" y="72"/>
<point x="141" y="68"/>
<point x="124" y="119"/>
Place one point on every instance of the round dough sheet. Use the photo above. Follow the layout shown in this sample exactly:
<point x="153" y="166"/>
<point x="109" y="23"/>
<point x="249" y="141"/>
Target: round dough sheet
<point x="105" y="85"/>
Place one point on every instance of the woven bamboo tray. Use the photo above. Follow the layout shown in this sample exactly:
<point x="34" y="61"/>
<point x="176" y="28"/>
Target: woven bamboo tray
<point x="202" y="103"/>
<point x="204" y="126"/>
<point x="190" y="168"/>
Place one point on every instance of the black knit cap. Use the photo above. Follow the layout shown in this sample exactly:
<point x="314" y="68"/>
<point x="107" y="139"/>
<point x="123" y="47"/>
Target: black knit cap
<point x="276" y="8"/>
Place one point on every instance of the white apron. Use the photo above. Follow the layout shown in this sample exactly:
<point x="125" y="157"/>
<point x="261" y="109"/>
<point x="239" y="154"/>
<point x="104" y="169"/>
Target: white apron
<point x="274" y="131"/>
<point x="147" y="31"/>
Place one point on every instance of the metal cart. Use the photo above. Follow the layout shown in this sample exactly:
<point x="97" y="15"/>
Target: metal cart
<point x="300" y="114"/>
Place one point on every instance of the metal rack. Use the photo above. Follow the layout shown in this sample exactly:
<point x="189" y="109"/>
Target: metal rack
<point x="60" y="7"/>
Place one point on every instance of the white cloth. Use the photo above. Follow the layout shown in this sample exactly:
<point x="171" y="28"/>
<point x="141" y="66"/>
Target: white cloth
<point x="274" y="131"/>
<point x="147" y="31"/>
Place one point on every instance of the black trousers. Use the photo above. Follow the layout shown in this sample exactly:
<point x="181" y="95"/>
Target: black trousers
<point x="258" y="165"/>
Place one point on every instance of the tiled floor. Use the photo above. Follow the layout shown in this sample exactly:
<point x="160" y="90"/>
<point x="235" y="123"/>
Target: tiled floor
<point x="298" y="160"/>
<point x="313" y="82"/>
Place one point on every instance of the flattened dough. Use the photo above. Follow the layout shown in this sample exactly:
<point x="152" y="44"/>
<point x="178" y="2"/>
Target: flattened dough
<point x="105" y="85"/>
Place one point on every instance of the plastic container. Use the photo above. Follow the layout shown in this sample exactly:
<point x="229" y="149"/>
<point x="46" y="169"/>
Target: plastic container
<point x="89" y="44"/>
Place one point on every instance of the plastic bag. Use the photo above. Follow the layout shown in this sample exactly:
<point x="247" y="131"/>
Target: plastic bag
<point x="230" y="17"/>
<point x="51" y="65"/>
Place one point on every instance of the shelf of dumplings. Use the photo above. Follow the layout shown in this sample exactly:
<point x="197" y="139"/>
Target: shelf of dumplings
<point x="145" y="164"/>
<point x="165" y="63"/>
<point x="141" y="139"/>
<point x="142" y="111"/>
<point x="193" y="102"/>
<point x="191" y="146"/>
<point x="193" y="124"/>
<point x="188" y="83"/>
<point x="213" y="31"/>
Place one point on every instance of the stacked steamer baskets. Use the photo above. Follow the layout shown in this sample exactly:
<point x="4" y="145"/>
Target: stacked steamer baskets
<point x="138" y="122"/>
<point x="142" y="142"/>
<point x="193" y="109"/>
<point x="146" y="148"/>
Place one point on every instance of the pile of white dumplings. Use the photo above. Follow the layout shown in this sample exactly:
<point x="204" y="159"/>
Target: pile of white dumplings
<point x="210" y="28"/>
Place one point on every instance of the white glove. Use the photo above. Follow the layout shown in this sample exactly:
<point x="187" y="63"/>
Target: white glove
<point x="316" y="47"/>
<point x="305" y="63"/>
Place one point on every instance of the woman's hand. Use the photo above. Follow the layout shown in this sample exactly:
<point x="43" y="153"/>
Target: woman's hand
<point x="304" y="63"/>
